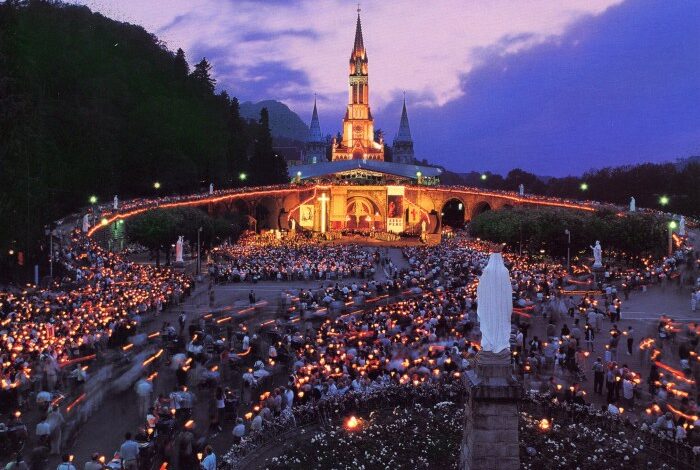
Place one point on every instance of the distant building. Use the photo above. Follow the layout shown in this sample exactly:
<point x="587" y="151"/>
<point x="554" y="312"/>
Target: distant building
<point x="358" y="126"/>
<point x="403" y="143"/>
<point x="291" y="155"/>
<point x="358" y="158"/>
<point x="315" y="148"/>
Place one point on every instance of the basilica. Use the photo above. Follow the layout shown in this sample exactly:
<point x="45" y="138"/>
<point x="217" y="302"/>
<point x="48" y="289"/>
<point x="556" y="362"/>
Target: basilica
<point x="359" y="156"/>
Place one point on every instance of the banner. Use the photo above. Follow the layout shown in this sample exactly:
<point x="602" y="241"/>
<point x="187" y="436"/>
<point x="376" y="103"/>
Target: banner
<point x="395" y="209"/>
<point x="306" y="215"/>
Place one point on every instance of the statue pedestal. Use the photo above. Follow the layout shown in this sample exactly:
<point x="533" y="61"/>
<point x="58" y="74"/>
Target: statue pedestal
<point x="490" y="439"/>
<point x="598" y="274"/>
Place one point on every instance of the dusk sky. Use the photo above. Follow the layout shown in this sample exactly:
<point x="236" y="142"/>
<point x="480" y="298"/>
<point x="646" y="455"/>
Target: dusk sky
<point x="555" y="87"/>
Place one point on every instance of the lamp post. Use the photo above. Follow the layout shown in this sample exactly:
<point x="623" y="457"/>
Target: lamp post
<point x="242" y="177"/>
<point x="419" y="177"/>
<point x="584" y="186"/>
<point x="664" y="200"/>
<point x="93" y="201"/>
<point x="568" y="250"/>
<point x="672" y="225"/>
<point x="49" y="232"/>
<point x="199" y="264"/>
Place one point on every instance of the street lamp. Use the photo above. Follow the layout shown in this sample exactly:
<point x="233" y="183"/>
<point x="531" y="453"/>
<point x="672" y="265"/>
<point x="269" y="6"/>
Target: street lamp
<point x="584" y="186"/>
<point x="49" y="231"/>
<point x="567" y="232"/>
<point x="672" y="225"/>
<point x="93" y="201"/>
<point x="483" y="177"/>
<point x="199" y="263"/>
<point x="664" y="200"/>
<point x="156" y="185"/>
<point x="242" y="176"/>
<point x="298" y="176"/>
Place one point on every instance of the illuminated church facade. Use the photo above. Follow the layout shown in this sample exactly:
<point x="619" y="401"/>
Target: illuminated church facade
<point x="358" y="156"/>
<point x="358" y="126"/>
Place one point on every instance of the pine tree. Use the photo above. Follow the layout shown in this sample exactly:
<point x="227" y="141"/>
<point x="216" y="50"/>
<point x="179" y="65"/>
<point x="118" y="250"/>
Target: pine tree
<point x="263" y="165"/>
<point x="237" y="161"/>
<point x="181" y="67"/>
<point x="202" y="75"/>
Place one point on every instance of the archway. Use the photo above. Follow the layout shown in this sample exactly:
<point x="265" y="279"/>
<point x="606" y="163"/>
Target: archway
<point x="265" y="213"/>
<point x="480" y="208"/>
<point x="453" y="213"/>
<point x="362" y="214"/>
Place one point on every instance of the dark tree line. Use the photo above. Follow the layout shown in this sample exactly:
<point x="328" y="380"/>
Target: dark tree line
<point x="533" y="229"/>
<point x="92" y="106"/>
<point x="646" y="182"/>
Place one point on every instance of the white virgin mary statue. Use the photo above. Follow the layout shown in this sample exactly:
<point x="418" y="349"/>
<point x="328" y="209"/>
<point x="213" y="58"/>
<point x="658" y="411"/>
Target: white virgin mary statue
<point x="597" y="255"/>
<point x="86" y="223"/>
<point x="178" y="249"/>
<point x="494" y="297"/>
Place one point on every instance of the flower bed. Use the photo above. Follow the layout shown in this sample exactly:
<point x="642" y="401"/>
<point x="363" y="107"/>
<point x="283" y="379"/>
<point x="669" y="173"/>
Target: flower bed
<point x="422" y="428"/>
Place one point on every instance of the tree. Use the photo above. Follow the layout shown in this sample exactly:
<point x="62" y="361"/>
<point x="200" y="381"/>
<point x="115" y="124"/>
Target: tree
<point x="156" y="230"/>
<point x="268" y="167"/>
<point x="237" y="161"/>
<point x="202" y="76"/>
<point x="182" y="68"/>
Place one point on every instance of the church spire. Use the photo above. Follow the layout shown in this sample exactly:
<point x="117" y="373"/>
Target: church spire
<point x="315" y="127"/>
<point x="404" y="134"/>
<point x="358" y="50"/>
<point x="403" y="143"/>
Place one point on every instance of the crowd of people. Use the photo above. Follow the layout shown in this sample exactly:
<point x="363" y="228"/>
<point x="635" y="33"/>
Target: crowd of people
<point x="50" y="336"/>
<point x="293" y="258"/>
<point x="424" y="334"/>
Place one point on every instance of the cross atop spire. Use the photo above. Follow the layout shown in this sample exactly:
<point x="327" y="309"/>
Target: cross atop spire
<point x="359" y="47"/>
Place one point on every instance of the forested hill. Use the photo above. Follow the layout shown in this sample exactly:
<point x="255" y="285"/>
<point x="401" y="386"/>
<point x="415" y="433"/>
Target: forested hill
<point x="284" y="122"/>
<point x="89" y="105"/>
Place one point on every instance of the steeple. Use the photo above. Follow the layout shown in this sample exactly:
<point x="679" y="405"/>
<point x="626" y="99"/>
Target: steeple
<point x="315" y="127"/>
<point x="358" y="126"/>
<point x="403" y="143"/>
<point x="358" y="49"/>
<point x="404" y="134"/>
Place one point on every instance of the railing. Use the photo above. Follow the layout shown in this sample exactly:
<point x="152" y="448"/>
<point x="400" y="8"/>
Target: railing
<point x="677" y="454"/>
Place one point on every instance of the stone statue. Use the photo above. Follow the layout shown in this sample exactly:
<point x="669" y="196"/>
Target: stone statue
<point x="423" y="226"/>
<point x="495" y="305"/>
<point x="178" y="249"/>
<point x="115" y="206"/>
<point x="633" y="204"/>
<point x="521" y="189"/>
<point x="86" y="223"/>
<point x="211" y="188"/>
<point x="597" y="255"/>
<point x="681" y="226"/>
<point x="294" y="225"/>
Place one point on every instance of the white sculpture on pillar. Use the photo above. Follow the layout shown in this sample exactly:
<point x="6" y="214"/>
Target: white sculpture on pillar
<point x="521" y="189"/>
<point x="423" y="226"/>
<point x="597" y="255"/>
<point x="681" y="226"/>
<point x="323" y="199"/>
<point x="178" y="249"/>
<point x="495" y="305"/>
<point x="115" y="205"/>
<point x="86" y="223"/>
<point x="211" y="188"/>
<point x="294" y="225"/>
<point x="633" y="204"/>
